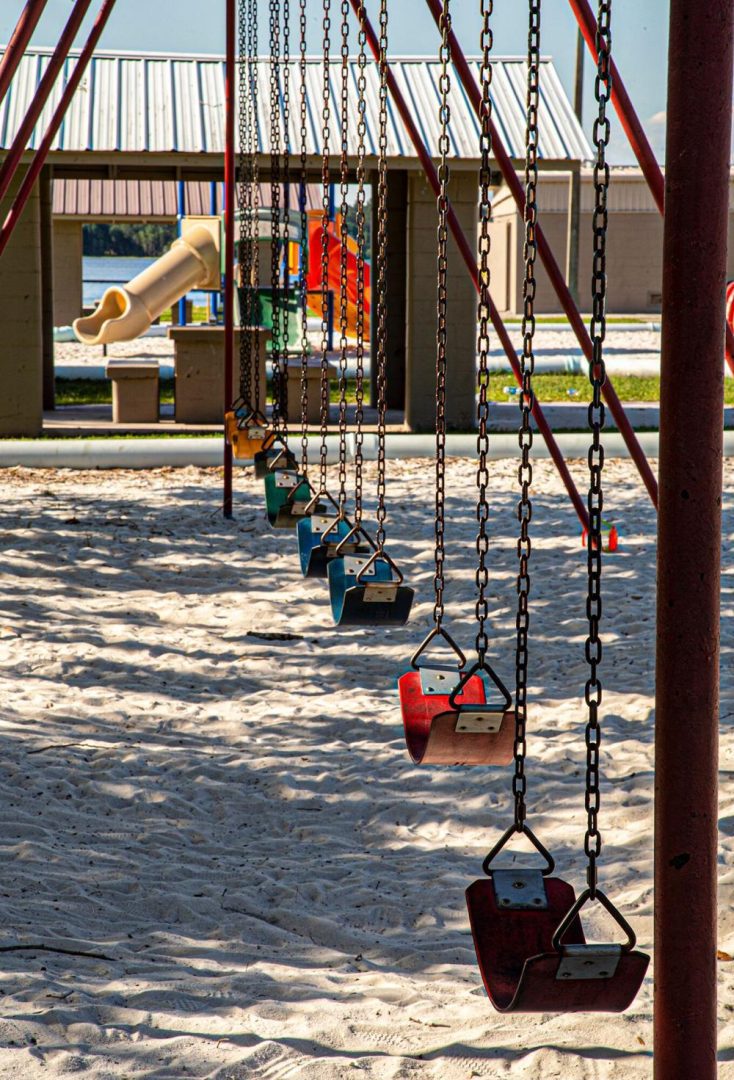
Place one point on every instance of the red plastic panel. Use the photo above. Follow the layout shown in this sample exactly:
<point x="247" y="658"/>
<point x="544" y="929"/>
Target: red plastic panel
<point x="430" y="723"/>
<point x="518" y="964"/>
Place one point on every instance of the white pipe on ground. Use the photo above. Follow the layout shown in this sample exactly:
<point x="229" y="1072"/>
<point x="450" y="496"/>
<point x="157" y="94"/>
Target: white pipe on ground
<point x="145" y="453"/>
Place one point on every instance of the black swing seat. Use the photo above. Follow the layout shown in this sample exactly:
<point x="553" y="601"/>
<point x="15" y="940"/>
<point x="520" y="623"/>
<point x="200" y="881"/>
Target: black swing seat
<point x="275" y="457"/>
<point x="515" y="916"/>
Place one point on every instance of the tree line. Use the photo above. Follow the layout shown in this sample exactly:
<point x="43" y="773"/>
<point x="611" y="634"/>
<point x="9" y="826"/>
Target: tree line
<point x="149" y="240"/>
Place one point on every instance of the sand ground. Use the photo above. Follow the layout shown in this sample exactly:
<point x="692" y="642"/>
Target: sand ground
<point x="216" y="834"/>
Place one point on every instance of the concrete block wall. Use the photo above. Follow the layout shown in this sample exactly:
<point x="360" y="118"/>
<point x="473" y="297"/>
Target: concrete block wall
<point x="67" y="271"/>
<point x="421" y="308"/>
<point x="21" y="339"/>
<point x="634" y="261"/>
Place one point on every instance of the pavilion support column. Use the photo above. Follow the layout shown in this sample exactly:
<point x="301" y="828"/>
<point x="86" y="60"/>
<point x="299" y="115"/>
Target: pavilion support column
<point x="45" y="184"/>
<point x="420" y="404"/>
<point x="397" y="214"/>
<point x="21" y="319"/>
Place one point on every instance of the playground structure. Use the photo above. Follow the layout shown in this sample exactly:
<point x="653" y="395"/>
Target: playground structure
<point x="689" y="523"/>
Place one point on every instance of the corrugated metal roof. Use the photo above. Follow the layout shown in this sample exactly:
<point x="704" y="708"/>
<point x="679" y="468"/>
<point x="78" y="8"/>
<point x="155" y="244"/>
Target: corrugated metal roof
<point x="150" y="199"/>
<point x="175" y="104"/>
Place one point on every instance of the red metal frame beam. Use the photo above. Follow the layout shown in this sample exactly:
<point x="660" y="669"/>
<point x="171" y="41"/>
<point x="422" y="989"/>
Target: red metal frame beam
<point x="700" y="62"/>
<point x="548" y="260"/>
<point x="470" y="259"/>
<point x="19" y="42"/>
<point x="634" y="131"/>
<point x="10" y="165"/>
<point x="39" y="160"/>
<point x="229" y="215"/>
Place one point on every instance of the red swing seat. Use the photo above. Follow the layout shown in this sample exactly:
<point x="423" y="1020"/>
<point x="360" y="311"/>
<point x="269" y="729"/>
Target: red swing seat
<point x="438" y="734"/>
<point x="523" y="965"/>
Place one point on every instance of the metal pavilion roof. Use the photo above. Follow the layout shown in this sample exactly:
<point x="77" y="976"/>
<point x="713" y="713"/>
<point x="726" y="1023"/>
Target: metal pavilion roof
<point x="118" y="200"/>
<point x="152" y="103"/>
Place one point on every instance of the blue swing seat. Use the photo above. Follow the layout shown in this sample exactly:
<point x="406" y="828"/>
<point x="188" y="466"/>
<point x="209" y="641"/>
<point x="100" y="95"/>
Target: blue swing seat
<point x="314" y="553"/>
<point x="377" y="599"/>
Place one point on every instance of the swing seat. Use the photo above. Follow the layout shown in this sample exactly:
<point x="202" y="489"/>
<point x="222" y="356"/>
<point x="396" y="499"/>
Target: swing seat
<point x="514" y="917"/>
<point x="272" y="456"/>
<point x="314" y="553"/>
<point x="437" y="734"/>
<point x="287" y="495"/>
<point x="379" y="599"/>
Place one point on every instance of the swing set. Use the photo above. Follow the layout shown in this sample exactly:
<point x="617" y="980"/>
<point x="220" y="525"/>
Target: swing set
<point x="526" y="924"/>
<point x="530" y="944"/>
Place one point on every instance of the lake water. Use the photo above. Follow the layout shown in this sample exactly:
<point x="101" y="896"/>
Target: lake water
<point x="101" y="271"/>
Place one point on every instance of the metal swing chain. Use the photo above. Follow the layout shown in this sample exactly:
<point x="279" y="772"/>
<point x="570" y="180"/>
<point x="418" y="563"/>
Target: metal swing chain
<point x="527" y="365"/>
<point x="304" y="237"/>
<point x="381" y="284"/>
<point x="244" y="199"/>
<point x="285" y="228"/>
<point x="485" y="208"/>
<point x="343" y="266"/>
<point x="325" y="218"/>
<point x="597" y="375"/>
<point x="361" y="252"/>
<point x="253" y="316"/>
<point x="275" y="205"/>
<point x="444" y="116"/>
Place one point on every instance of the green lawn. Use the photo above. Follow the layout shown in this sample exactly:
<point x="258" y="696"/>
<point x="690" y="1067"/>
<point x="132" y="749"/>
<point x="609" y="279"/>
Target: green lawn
<point x="549" y="388"/>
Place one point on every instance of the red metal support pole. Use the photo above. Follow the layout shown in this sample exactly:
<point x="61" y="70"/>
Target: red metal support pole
<point x="470" y="259"/>
<point x="39" y="159"/>
<point x="10" y="165"/>
<point x="229" y="213"/>
<point x="19" y="42"/>
<point x="548" y="259"/>
<point x="634" y="131"/>
<point x="700" y="61"/>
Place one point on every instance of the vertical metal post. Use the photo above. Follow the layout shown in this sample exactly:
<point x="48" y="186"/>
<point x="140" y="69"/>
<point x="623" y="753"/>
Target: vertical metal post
<point x="229" y="212"/>
<point x="19" y="41"/>
<point x="634" y="131"/>
<point x="45" y="186"/>
<point x="181" y="200"/>
<point x="213" y="210"/>
<point x="689" y="536"/>
<point x="574" y="187"/>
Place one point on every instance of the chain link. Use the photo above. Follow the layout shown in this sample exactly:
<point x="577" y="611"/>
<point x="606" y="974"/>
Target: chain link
<point x="302" y="202"/>
<point x="275" y="145"/>
<point x="381" y="283"/>
<point x="244" y="199"/>
<point x="285" y="229"/>
<point x="597" y="375"/>
<point x="325" y="219"/>
<point x="484" y="314"/>
<point x="444" y="119"/>
<point x="527" y="365"/>
<point x="254" y="314"/>
<point x="343" y="263"/>
<point x="361" y="256"/>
